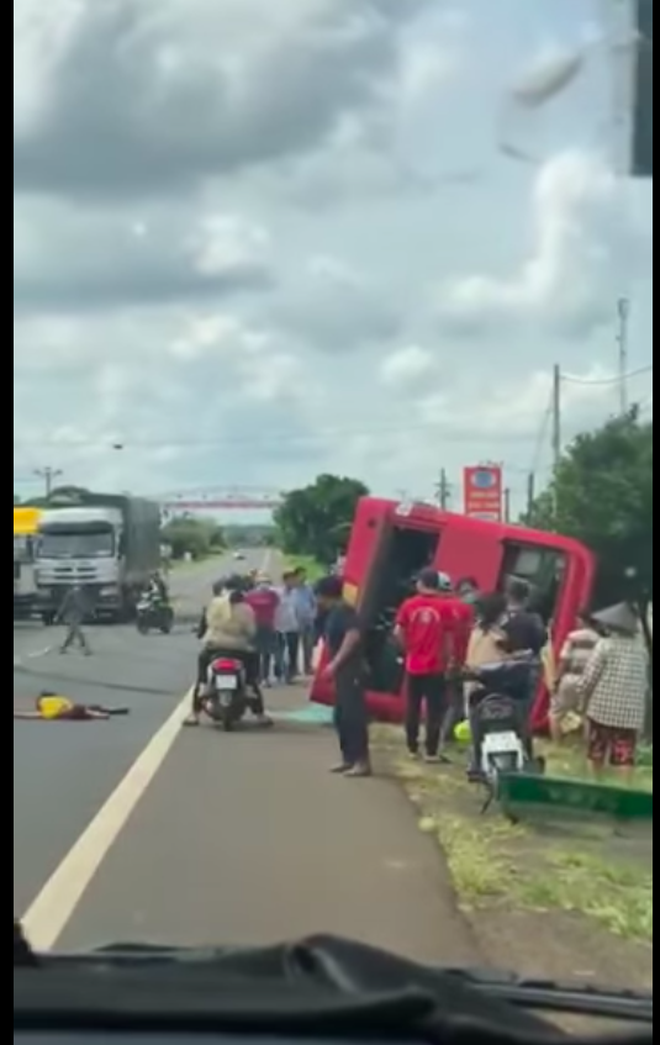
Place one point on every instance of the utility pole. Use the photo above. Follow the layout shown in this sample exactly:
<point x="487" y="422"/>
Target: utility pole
<point x="556" y="415"/>
<point x="48" y="474"/>
<point x="531" y="494"/>
<point x="507" y="505"/>
<point x="623" y="310"/>
<point x="442" y="490"/>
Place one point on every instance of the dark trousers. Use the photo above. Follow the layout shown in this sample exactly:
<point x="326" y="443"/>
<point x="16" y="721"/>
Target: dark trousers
<point x="351" y="720"/>
<point x="248" y="658"/>
<point x="286" y="661"/>
<point x="307" y="641"/>
<point x="75" y="634"/>
<point x="428" y="689"/>
<point x="454" y="709"/>
<point x="265" y="642"/>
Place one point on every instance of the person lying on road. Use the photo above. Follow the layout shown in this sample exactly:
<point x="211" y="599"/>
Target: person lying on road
<point x="52" y="707"/>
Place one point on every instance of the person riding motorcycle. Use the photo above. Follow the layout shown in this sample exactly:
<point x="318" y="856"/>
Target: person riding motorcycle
<point x="156" y="590"/>
<point x="228" y="628"/>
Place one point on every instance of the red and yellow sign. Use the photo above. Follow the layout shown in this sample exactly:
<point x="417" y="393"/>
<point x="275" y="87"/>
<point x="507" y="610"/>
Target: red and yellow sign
<point x="482" y="492"/>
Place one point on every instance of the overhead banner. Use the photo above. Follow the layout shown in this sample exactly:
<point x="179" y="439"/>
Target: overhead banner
<point x="482" y="492"/>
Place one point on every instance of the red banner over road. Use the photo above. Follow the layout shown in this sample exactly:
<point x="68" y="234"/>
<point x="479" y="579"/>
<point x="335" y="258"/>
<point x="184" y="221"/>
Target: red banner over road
<point x="482" y="492"/>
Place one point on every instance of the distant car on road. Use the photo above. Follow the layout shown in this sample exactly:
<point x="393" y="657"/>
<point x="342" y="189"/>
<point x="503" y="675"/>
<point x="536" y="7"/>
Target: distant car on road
<point x="239" y="556"/>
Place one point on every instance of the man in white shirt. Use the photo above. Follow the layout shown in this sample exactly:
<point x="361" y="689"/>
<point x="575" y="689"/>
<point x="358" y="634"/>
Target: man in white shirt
<point x="287" y="627"/>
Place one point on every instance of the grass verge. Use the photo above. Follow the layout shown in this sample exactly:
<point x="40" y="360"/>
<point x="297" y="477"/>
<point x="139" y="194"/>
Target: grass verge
<point x="568" y="761"/>
<point x="586" y="870"/>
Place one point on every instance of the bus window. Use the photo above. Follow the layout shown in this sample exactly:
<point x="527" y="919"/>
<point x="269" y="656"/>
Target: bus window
<point x="542" y="568"/>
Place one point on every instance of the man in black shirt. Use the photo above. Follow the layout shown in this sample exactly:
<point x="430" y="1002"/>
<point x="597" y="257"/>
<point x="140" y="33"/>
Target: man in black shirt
<point x="524" y="631"/>
<point x="343" y="639"/>
<point x="523" y="628"/>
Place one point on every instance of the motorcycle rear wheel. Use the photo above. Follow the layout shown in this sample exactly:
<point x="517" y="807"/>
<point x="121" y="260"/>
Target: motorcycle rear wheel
<point x="227" y="720"/>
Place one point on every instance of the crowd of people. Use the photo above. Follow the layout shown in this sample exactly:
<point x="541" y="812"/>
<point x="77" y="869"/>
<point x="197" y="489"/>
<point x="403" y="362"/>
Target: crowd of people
<point x="442" y="633"/>
<point x="445" y="633"/>
<point x="272" y="628"/>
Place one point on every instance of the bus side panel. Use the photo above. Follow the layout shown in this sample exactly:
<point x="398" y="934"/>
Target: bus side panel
<point x="465" y="553"/>
<point x="370" y="527"/>
<point x="575" y="595"/>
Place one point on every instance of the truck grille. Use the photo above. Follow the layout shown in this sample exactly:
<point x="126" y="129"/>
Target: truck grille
<point x="71" y="575"/>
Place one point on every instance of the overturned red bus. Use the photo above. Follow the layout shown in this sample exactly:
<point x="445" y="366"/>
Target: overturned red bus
<point x="392" y="540"/>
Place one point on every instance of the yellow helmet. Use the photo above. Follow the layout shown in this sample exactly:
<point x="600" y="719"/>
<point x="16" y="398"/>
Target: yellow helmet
<point x="462" y="732"/>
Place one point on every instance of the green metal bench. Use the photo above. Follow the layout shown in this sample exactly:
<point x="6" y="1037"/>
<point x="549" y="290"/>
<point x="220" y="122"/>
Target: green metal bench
<point x="522" y="796"/>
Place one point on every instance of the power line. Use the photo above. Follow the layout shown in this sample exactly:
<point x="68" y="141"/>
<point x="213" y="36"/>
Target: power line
<point x="307" y="438"/>
<point x="573" y="379"/>
<point x="465" y="435"/>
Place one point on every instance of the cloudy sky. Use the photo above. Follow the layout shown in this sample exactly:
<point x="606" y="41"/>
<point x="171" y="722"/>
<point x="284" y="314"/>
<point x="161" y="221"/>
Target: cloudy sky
<point x="254" y="241"/>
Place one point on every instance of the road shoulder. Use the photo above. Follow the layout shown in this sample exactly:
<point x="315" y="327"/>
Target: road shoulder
<point x="247" y="838"/>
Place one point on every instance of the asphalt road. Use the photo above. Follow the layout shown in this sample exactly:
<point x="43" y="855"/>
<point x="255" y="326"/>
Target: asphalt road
<point x="134" y="829"/>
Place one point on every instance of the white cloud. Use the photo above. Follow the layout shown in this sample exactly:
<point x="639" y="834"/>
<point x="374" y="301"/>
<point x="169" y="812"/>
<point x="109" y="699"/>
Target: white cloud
<point x="581" y="227"/>
<point x="68" y="256"/>
<point x="408" y="367"/>
<point x="238" y="253"/>
<point x="226" y="243"/>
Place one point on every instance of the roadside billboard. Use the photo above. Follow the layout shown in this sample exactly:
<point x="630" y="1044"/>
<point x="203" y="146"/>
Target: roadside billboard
<point x="483" y="492"/>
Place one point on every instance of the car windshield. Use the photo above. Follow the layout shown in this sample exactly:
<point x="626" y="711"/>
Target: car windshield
<point x="350" y="303"/>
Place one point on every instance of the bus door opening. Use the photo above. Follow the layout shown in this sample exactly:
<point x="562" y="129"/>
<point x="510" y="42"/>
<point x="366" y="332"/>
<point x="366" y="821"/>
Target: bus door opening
<point x="409" y="550"/>
<point x="543" y="569"/>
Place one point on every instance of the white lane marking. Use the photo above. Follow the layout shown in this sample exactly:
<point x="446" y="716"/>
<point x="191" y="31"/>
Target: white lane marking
<point x="32" y="655"/>
<point x="40" y="652"/>
<point x="52" y="908"/>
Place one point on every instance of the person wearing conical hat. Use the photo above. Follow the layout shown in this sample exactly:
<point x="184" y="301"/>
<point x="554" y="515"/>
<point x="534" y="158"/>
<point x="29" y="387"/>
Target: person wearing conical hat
<point x="573" y="659"/>
<point x="613" y="691"/>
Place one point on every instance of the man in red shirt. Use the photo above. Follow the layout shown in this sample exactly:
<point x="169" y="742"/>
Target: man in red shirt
<point x="425" y="628"/>
<point x="460" y="614"/>
<point x="263" y="600"/>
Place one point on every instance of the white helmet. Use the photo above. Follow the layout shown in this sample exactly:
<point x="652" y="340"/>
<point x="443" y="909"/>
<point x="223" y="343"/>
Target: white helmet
<point x="444" y="581"/>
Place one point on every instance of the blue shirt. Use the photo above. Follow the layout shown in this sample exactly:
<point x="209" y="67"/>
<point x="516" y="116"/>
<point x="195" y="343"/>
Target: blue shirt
<point x="305" y="604"/>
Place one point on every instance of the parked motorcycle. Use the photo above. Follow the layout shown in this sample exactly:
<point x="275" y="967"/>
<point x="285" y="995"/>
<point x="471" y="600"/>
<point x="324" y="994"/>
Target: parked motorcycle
<point x="152" y="613"/>
<point x="225" y="695"/>
<point x="498" y="714"/>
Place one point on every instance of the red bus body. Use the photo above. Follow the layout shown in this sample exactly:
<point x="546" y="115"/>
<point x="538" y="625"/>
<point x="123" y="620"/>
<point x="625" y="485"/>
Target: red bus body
<point x="466" y="547"/>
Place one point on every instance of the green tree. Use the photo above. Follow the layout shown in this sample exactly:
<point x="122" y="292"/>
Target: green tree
<point x="602" y="494"/>
<point x="314" y="519"/>
<point x="197" y="537"/>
